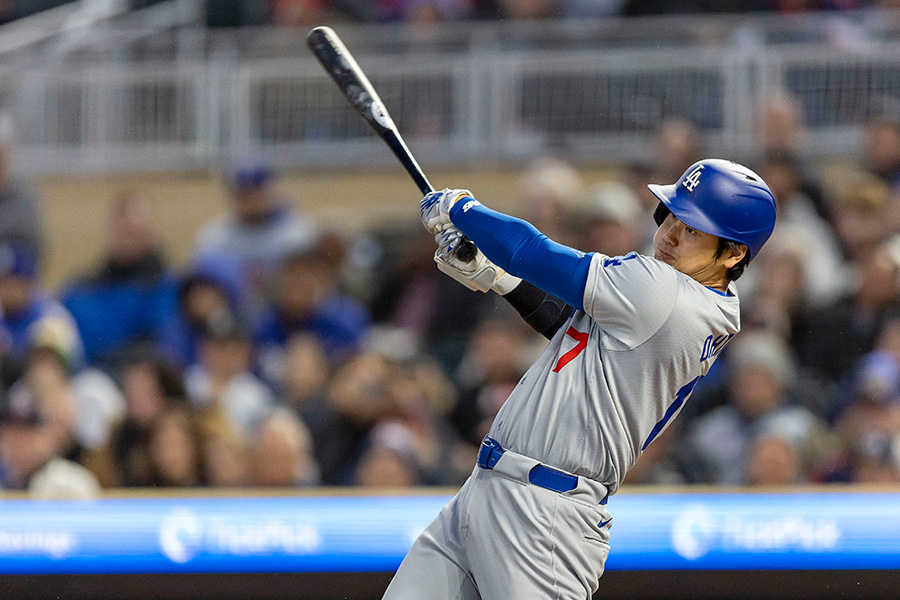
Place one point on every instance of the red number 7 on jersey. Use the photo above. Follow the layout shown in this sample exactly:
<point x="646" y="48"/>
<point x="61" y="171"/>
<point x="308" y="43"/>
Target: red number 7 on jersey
<point x="581" y="339"/>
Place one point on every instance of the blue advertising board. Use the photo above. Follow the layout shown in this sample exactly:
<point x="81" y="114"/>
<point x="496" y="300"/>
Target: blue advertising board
<point x="373" y="533"/>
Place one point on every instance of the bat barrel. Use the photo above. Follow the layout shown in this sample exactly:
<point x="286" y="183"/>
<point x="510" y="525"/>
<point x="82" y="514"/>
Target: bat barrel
<point x="349" y="77"/>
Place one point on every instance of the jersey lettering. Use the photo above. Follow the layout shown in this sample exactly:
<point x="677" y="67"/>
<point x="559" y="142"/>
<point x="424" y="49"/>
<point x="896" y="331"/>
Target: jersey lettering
<point x="617" y="261"/>
<point x="713" y="345"/>
<point x="680" y="396"/>
<point x="581" y="339"/>
<point x="693" y="179"/>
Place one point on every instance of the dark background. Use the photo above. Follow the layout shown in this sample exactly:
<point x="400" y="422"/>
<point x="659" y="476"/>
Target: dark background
<point x="630" y="585"/>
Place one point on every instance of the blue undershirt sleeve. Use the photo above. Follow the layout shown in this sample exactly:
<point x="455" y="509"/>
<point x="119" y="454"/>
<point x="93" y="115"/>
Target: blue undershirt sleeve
<point x="519" y="248"/>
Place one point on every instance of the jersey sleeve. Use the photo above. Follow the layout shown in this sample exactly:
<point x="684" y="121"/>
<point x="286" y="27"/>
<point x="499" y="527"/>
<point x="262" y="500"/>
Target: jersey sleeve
<point x="630" y="296"/>
<point x="519" y="248"/>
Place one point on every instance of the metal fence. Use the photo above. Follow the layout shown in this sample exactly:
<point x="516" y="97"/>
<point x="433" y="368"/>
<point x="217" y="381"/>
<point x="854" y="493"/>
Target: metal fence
<point x="478" y="102"/>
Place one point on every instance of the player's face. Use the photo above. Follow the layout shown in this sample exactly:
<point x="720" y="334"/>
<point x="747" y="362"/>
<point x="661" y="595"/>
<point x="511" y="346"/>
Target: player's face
<point x="693" y="252"/>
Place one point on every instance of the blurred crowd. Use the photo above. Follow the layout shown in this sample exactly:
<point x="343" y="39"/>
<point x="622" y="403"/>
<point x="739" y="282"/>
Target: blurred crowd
<point x="288" y="355"/>
<point x="248" y="13"/>
<point x="312" y="12"/>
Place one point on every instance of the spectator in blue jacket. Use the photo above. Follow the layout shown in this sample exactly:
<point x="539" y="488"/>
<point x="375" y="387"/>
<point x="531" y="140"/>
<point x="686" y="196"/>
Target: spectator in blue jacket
<point x="28" y="309"/>
<point x="127" y="300"/>
<point x="307" y="301"/>
<point x="211" y="286"/>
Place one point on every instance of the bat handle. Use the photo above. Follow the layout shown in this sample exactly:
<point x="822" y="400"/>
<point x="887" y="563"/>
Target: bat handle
<point x="466" y="251"/>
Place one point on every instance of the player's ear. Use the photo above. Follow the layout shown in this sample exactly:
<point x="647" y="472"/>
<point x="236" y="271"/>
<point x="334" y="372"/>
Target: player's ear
<point x="733" y="254"/>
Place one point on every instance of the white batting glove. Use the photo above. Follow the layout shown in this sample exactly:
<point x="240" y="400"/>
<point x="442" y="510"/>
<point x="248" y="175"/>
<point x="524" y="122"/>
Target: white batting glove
<point x="480" y="274"/>
<point x="435" y="208"/>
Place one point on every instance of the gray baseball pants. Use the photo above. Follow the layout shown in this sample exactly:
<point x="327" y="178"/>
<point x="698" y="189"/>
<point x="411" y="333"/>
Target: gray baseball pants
<point x="502" y="538"/>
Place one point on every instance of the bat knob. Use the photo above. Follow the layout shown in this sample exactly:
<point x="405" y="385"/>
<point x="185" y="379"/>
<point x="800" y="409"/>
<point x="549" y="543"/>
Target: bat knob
<point x="466" y="251"/>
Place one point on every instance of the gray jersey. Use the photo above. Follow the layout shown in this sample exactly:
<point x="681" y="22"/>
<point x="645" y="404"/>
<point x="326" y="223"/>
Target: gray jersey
<point x="614" y="376"/>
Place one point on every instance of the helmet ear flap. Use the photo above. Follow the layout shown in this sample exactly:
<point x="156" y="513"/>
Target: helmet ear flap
<point x="659" y="215"/>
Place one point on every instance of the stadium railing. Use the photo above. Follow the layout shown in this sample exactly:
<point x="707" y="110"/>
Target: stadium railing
<point x="502" y="94"/>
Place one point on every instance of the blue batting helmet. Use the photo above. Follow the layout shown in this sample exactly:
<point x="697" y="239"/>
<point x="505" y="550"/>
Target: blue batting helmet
<point x="722" y="198"/>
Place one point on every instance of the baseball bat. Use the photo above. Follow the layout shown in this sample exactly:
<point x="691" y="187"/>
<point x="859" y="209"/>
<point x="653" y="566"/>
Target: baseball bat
<point x="349" y="77"/>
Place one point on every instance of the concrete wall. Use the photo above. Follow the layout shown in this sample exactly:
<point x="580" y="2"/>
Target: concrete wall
<point x="75" y="207"/>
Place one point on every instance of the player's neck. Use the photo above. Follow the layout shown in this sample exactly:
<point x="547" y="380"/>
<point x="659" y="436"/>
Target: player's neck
<point x="718" y="283"/>
<point x="714" y="278"/>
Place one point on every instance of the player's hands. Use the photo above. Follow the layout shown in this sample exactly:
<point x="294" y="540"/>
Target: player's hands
<point x="435" y="208"/>
<point x="479" y="274"/>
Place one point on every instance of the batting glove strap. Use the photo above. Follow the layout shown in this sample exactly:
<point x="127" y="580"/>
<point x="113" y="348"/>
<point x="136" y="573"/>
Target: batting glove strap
<point x="480" y="274"/>
<point x="505" y="283"/>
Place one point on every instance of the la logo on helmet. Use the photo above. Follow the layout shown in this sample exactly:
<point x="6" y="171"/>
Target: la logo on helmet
<point x="691" y="181"/>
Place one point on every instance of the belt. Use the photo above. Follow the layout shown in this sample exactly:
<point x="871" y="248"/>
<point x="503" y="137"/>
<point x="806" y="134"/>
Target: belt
<point x="540" y="475"/>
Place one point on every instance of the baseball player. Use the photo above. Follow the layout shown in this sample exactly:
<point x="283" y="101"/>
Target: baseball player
<point x="630" y="337"/>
